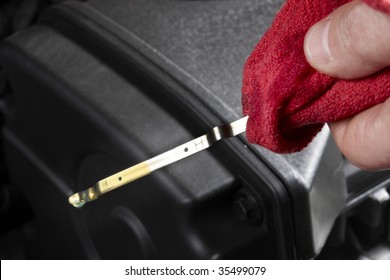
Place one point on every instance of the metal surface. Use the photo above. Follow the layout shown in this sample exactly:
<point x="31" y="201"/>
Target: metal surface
<point x="144" y="168"/>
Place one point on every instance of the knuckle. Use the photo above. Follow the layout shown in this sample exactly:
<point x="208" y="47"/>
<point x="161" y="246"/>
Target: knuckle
<point x="349" y="35"/>
<point x="363" y="35"/>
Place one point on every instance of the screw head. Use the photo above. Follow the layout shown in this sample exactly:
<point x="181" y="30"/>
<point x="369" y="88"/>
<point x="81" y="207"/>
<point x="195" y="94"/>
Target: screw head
<point x="247" y="209"/>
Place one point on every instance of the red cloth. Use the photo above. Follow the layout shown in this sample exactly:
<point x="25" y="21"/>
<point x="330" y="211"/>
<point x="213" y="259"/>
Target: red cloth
<point x="383" y="5"/>
<point x="287" y="100"/>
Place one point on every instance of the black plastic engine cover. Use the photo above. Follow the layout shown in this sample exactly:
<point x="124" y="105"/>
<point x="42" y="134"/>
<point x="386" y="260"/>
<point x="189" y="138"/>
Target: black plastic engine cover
<point x="102" y="85"/>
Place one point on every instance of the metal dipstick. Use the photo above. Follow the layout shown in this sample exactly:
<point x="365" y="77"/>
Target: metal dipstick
<point x="146" y="167"/>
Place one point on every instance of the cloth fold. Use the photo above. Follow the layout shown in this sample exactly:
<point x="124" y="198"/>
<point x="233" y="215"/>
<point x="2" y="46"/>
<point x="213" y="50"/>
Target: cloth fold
<point x="382" y="5"/>
<point x="286" y="99"/>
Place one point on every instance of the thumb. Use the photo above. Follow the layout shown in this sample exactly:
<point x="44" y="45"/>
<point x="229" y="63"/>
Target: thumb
<point x="352" y="42"/>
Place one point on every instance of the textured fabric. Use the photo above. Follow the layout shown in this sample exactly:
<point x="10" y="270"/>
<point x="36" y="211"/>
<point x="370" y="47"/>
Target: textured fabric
<point x="383" y="5"/>
<point x="287" y="100"/>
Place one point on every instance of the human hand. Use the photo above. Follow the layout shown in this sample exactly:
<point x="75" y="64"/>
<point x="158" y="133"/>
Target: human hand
<point x="354" y="42"/>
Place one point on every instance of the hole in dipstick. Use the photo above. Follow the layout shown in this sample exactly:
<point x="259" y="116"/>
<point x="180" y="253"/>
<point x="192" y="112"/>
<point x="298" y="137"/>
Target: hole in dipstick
<point x="120" y="178"/>
<point x="185" y="149"/>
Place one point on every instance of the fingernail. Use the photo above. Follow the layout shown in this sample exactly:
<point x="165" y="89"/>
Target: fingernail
<point x="317" y="43"/>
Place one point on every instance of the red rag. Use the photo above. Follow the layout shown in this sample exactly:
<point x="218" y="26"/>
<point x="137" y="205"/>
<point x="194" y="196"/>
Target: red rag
<point x="382" y="5"/>
<point x="287" y="101"/>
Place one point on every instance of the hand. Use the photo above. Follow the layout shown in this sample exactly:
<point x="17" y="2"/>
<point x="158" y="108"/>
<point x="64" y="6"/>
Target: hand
<point x="354" y="42"/>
